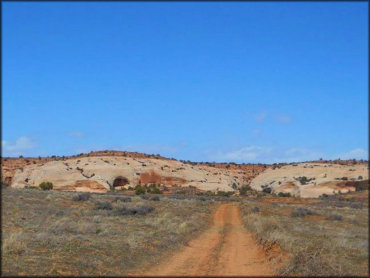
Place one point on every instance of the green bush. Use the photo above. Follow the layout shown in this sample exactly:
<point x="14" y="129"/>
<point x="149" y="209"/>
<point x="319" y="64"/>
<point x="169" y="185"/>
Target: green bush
<point x="155" y="190"/>
<point x="282" y="194"/>
<point x="243" y="190"/>
<point x="139" y="190"/>
<point x="323" y="196"/>
<point x="46" y="185"/>
<point x="304" y="180"/>
<point x="224" y="193"/>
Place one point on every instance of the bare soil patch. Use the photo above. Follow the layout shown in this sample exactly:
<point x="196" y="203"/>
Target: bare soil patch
<point x="226" y="249"/>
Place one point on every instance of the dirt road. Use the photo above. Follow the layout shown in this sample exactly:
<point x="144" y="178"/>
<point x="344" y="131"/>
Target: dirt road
<point x="225" y="249"/>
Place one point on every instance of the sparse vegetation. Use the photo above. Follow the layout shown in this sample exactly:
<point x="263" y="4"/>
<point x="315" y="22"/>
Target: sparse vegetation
<point x="4" y="184"/>
<point x="335" y="217"/>
<point x="81" y="197"/>
<point x="140" y="190"/>
<point x="321" y="239"/>
<point x="362" y="187"/>
<point x="104" y="205"/>
<point x="141" y="210"/>
<point x="255" y="209"/>
<point x="153" y="189"/>
<point x="123" y="199"/>
<point x="304" y="180"/>
<point x="301" y="212"/>
<point x="284" y="194"/>
<point x="224" y="193"/>
<point x="154" y="198"/>
<point x="323" y="196"/>
<point x="244" y="189"/>
<point x="46" y="185"/>
<point x="56" y="236"/>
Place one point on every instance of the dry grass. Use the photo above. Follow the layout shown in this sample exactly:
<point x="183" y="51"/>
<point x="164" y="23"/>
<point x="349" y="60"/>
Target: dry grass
<point x="49" y="233"/>
<point x="55" y="233"/>
<point x="330" y="241"/>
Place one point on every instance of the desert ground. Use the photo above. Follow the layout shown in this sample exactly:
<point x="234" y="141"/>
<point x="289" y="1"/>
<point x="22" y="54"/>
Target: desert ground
<point x="109" y="214"/>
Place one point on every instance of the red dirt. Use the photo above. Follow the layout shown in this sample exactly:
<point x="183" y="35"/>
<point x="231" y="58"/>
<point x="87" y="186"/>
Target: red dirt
<point x="225" y="249"/>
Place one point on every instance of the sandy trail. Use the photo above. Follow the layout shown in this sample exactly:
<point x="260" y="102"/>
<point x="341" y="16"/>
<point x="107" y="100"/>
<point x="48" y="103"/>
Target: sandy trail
<point x="225" y="249"/>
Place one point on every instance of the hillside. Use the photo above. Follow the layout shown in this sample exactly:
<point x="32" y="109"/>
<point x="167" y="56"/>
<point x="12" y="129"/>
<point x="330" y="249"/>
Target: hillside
<point x="98" y="172"/>
<point x="312" y="179"/>
<point x="102" y="171"/>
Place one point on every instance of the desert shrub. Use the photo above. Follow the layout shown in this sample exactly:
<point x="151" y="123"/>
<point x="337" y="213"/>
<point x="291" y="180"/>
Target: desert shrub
<point x="177" y="197"/>
<point x="144" y="197"/>
<point x="202" y="198"/>
<point x="335" y="217"/>
<point x="46" y="185"/>
<point x="81" y="197"/>
<point x="311" y="260"/>
<point x="4" y="184"/>
<point x="234" y="186"/>
<point x="31" y="187"/>
<point x="141" y="210"/>
<point x="324" y="196"/>
<point x="360" y="178"/>
<point x="224" y="199"/>
<point x="103" y="206"/>
<point x="140" y="190"/>
<point x="60" y="213"/>
<point x="154" y="198"/>
<point x="356" y="205"/>
<point x="362" y="187"/>
<point x="301" y="212"/>
<point x="123" y="199"/>
<point x="282" y="194"/>
<point x="255" y="209"/>
<point x="14" y="244"/>
<point x="304" y="180"/>
<point x="224" y="193"/>
<point x="267" y="190"/>
<point x="344" y="178"/>
<point x="338" y="204"/>
<point x="154" y="190"/>
<point x="243" y="190"/>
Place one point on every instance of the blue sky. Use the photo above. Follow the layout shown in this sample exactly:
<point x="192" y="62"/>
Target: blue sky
<point x="213" y="81"/>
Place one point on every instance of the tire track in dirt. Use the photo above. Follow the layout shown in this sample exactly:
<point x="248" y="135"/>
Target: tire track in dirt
<point x="224" y="249"/>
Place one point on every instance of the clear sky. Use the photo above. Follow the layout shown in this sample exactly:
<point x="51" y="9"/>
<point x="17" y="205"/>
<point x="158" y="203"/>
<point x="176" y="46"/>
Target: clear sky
<point x="212" y="81"/>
